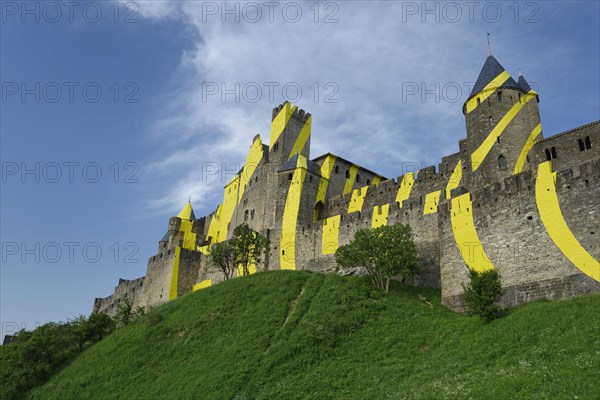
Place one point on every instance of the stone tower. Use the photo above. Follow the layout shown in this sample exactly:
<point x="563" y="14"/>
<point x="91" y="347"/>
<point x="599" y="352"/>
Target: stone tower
<point x="502" y="122"/>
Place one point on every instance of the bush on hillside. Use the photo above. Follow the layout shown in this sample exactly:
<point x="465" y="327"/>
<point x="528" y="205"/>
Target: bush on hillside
<point x="482" y="294"/>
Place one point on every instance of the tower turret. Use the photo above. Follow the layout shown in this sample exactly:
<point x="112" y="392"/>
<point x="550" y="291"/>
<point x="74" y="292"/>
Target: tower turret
<point x="290" y="134"/>
<point x="501" y="116"/>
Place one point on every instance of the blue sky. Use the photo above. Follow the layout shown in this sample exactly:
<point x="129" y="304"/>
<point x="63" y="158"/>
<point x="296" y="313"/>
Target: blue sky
<point x="160" y="123"/>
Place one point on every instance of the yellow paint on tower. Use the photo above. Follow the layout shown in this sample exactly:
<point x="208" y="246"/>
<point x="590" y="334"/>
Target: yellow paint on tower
<point x="487" y="91"/>
<point x="465" y="234"/>
<point x="357" y="200"/>
<point x="287" y="251"/>
<point x="528" y="145"/>
<point x="350" y="179"/>
<point x="482" y="151"/>
<point x="455" y="179"/>
<point x="405" y="188"/>
<point x="431" y="202"/>
<point x="302" y="138"/>
<point x="380" y="216"/>
<point x="330" y="234"/>
<point x="175" y="274"/>
<point x="280" y="121"/>
<point x="202" y="285"/>
<point x="556" y="226"/>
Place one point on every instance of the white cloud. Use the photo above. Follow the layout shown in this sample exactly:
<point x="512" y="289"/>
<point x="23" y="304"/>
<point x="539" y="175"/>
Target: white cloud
<point x="370" y="54"/>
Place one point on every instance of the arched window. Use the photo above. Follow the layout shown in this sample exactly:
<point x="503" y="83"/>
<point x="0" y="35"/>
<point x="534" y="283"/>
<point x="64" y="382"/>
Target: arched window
<point x="290" y="176"/>
<point x="337" y="169"/>
<point x="581" y="144"/>
<point x="478" y="101"/>
<point x="347" y="174"/>
<point x="317" y="211"/>
<point x="357" y="178"/>
<point x="588" y="143"/>
<point x="246" y="215"/>
<point x="368" y="181"/>
<point x="499" y="96"/>
<point x="502" y="162"/>
<point x="548" y="158"/>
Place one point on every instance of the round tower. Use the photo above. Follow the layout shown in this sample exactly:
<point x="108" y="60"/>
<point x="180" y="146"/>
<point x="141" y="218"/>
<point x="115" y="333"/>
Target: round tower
<point x="501" y="117"/>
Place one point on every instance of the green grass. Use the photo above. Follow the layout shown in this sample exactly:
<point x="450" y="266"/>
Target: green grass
<point x="299" y="335"/>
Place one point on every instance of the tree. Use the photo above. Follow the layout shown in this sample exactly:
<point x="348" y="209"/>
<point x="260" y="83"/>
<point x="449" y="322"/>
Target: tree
<point x="99" y="326"/>
<point x="385" y="252"/>
<point x="246" y="247"/>
<point x="222" y="258"/>
<point x="249" y="247"/>
<point x="482" y="294"/>
<point x="124" y="313"/>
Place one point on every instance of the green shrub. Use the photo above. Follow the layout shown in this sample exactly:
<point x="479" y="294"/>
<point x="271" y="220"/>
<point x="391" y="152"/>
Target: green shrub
<point x="482" y="294"/>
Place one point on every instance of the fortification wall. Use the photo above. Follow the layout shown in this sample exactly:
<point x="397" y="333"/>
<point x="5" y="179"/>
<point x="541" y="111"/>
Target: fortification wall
<point x="514" y="238"/>
<point x="125" y="289"/>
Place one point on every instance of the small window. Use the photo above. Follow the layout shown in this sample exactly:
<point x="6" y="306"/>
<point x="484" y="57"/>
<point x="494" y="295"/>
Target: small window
<point x="588" y="143"/>
<point x="246" y="215"/>
<point x="358" y="178"/>
<point x="551" y="153"/>
<point x="347" y="174"/>
<point x="276" y="146"/>
<point x="498" y="139"/>
<point x="548" y="155"/>
<point x="252" y="214"/>
<point x="490" y="120"/>
<point x="478" y="101"/>
<point x="581" y="145"/>
<point x="310" y="178"/>
<point x="290" y="176"/>
<point x="368" y="181"/>
<point x="502" y="162"/>
<point x="499" y="96"/>
<point x="337" y="169"/>
<point x="489" y="102"/>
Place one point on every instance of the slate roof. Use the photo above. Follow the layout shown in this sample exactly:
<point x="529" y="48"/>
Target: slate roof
<point x="491" y="69"/>
<point x="292" y="162"/>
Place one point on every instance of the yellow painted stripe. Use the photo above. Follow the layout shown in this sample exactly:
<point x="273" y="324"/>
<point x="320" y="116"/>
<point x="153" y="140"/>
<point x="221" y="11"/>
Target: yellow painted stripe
<point x="431" y="202"/>
<point x="254" y="156"/>
<point x="350" y="180"/>
<point x="455" y="179"/>
<point x="204" y="250"/>
<point x="326" y="170"/>
<point x="280" y="122"/>
<point x="189" y="238"/>
<point x="405" y="188"/>
<point x="528" y="145"/>
<point x="186" y="211"/>
<point x="376" y="180"/>
<point x="357" y="200"/>
<point x="330" y="234"/>
<point x="175" y="274"/>
<point x="465" y="234"/>
<point x="202" y="285"/>
<point x="380" y="216"/>
<point x="302" y="138"/>
<point x="287" y="250"/>
<point x="556" y="226"/>
<point x="482" y="151"/>
<point x="487" y="91"/>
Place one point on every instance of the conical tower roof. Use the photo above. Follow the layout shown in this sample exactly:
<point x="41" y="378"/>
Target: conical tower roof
<point x="187" y="212"/>
<point x="493" y="70"/>
<point x="523" y="84"/>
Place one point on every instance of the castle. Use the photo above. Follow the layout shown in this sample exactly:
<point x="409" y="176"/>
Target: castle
<point x="509" y="199"/>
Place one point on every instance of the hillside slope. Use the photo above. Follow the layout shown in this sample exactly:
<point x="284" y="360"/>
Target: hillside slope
<point x="299" y="335"/>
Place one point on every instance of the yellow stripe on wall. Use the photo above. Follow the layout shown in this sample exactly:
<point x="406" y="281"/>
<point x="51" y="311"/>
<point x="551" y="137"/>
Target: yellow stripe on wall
<point x="254" y="156"/>
<point x="175" y="274"/>
<point x="556" y="226"/>
<point x="405" y="187"/>
<point x="357" y="200"/>
<point x="376" y="180"/>
<point x="330" y="234"/>
<point x="487" y="91"/>
<point x="287" y="251"/>
<point x="380" y="216"/>
<point x="202" y="285"/>
<point x="431" y="202"/>
<point x="465" y="234"/>
<point x="455" y="179"/>
<point x="482" y="151"/>
<point x="350" y="180"/>
<point x="302" y="138"/>
<point x="528" y="145"/>
<point x="280" y="122"/>
<point x="326" y="170"/>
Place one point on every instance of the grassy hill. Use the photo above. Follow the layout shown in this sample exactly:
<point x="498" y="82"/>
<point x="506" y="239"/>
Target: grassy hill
<point x="299" y="335"/>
